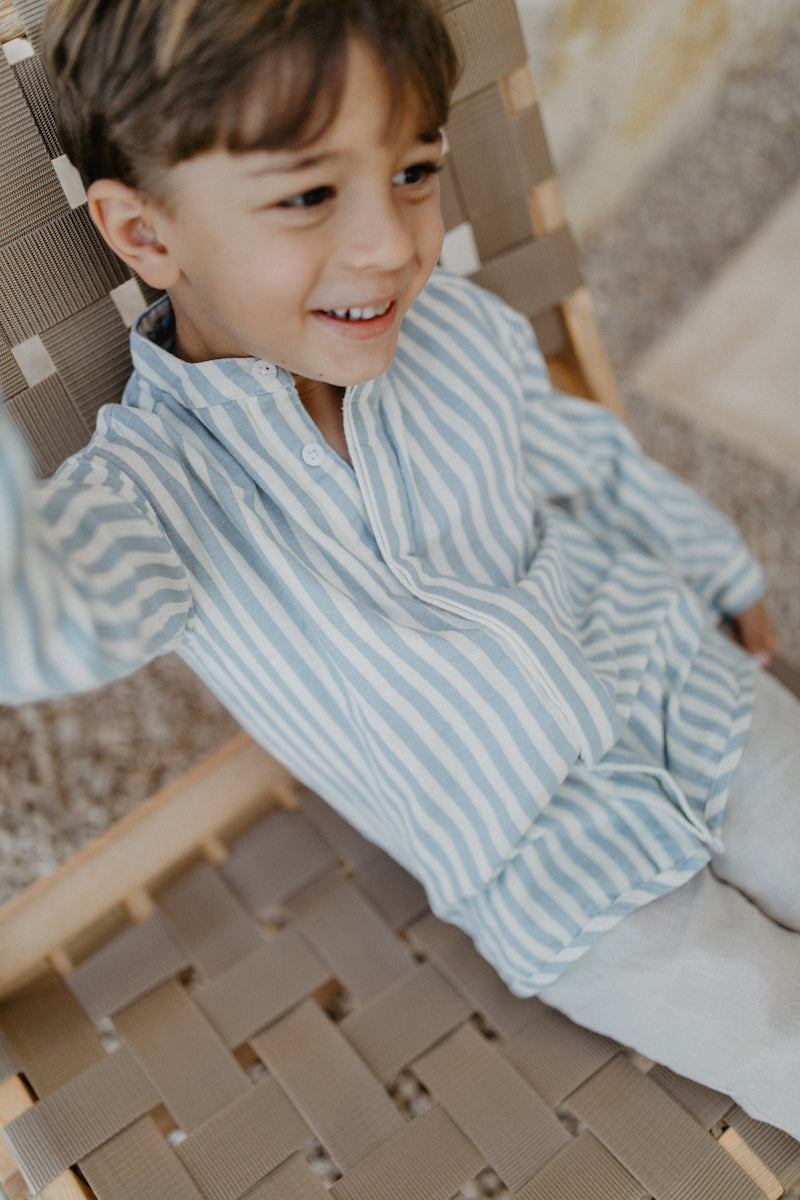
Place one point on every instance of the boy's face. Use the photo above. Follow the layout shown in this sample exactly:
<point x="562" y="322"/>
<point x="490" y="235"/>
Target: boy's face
<point x="308" y="258"/>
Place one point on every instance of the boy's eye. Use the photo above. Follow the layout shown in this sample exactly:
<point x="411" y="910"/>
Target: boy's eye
<point x="417" y="173"/>
<point x="310" y="199"/>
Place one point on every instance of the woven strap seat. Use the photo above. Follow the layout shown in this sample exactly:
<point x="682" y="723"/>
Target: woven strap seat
<point x="290" y="1022"/>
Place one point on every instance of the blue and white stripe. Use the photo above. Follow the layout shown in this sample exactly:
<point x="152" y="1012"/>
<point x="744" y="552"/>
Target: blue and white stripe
<point x="489" y="643"/>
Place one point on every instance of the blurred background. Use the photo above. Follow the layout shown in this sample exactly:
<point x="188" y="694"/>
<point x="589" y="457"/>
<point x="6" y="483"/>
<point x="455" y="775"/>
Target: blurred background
<point x="675" y="126"/>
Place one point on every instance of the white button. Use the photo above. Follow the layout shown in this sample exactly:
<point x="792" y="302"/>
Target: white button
<point x="265" y="370"/>
<point x="313" y="454"/>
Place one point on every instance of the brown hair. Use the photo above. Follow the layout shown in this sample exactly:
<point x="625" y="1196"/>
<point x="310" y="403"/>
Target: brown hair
<point x="141" y="85"/>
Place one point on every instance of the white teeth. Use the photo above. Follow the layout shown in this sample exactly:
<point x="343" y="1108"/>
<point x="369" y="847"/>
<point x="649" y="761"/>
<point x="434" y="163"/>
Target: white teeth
<point x="360" y="314"/>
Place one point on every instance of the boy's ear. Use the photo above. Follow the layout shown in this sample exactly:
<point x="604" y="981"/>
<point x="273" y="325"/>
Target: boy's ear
<point x="124" y="219"/>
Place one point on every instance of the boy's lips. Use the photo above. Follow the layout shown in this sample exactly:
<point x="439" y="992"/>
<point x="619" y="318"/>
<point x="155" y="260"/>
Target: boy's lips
<point x="367" y="321"/>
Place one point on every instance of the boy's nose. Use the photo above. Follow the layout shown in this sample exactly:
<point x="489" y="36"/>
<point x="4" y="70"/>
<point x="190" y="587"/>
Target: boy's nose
<point x="379" y="236"/>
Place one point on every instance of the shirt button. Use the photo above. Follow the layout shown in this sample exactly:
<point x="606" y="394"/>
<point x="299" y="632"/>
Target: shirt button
<point x="313" y="454"/>
<point x="265" y="370"/>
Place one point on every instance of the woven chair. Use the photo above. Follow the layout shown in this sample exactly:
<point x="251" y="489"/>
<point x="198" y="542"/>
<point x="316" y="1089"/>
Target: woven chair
<point x="231" y="994"/>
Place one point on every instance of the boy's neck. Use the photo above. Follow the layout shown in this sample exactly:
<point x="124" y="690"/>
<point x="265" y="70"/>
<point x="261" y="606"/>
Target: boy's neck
<point x="323" y="403"/>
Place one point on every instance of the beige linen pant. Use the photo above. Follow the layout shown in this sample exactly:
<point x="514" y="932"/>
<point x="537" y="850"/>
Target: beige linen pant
<point x="706" y="980"/>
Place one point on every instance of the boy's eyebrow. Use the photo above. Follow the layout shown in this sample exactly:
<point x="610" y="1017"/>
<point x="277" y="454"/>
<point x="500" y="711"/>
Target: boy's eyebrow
<point x="426" y="137"/>
<point x="297" y="164"/>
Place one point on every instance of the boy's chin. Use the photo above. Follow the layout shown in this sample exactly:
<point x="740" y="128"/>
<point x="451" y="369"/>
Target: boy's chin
<point x="343" y="381"/>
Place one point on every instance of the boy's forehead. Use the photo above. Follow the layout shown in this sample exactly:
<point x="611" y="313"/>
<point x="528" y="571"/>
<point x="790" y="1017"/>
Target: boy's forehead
<point x="366" y="88"/>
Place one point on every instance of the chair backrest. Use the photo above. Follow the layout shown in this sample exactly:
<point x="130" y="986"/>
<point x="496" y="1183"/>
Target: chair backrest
<point x="66" y="302"/>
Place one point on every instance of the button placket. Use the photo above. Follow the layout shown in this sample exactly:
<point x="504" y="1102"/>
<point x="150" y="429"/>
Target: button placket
<point x="265" y="371"/>
<point x="313" y="454"/>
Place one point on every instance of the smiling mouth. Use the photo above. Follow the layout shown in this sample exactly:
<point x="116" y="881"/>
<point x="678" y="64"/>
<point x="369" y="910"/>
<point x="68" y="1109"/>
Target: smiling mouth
<point x="369" y="313"/>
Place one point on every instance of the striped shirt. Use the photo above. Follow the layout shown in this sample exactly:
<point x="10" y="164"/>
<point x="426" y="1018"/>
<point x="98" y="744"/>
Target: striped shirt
<point x="490" y="643"/>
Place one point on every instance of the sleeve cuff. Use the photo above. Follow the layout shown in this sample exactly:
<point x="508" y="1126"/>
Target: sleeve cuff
<point x="746" y="584"/>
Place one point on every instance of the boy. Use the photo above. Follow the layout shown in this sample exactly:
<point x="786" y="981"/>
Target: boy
<point x="460" y="606"/>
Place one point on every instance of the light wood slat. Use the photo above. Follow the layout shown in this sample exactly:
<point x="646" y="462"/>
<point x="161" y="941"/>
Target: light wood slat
<point x="238" y="780"/>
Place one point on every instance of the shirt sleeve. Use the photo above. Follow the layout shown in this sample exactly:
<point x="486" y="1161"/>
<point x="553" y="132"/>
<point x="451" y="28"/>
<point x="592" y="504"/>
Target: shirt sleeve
<point x="585" y="459"/>
<point x="90" y="587"/>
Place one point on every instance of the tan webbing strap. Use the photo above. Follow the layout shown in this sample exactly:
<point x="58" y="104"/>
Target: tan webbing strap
<point x="507" y="225"/>
<point x="515" y="1131"/>
<point x="12" y="380"/>
<point x="706" y="1106"/>
<point x="275" y="859"/>
<point x="656" y="1140"/>
<point x="9" y="1064"/>
<point x="50" y="421"/>
<point x="47" y="274"/>
<point x="455" y="956"/>
<point x="557" y="1056"/>
<point x="583" y="1169"/>
<point x="428" y="1159"/>
<point x="138" y="1164"/>
<point x="30" y="192"/>
<point x="347" y="843"/>
<point x="232" y="1151"/>
<point x="500" y="157"/>
<point x="262" y="987"/>
<point x="404" y="1021"/>
<point x="189" y="1064"/>
<point x="398" y="896"/>
<point x="329" y="1083"/>
<point x="488" y="39"/>
<point x="535" y="275"/>
<point x="347" y="933"/>
<point x="551" y="332"/>
<point x="208" y="921"/>
<point x="91" y="352"/>
<point x="450" y="199"/>
<point x="408" y="1093"/>
<point x="532" y="148"/>
<point x="32" y="13"/>
<point x="35" y="86"/>
<point x="50" y="1034"/>
<point x="294" y="1179"/>
<point x="125" y="969"/>
<point x="79" y="1116"/>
